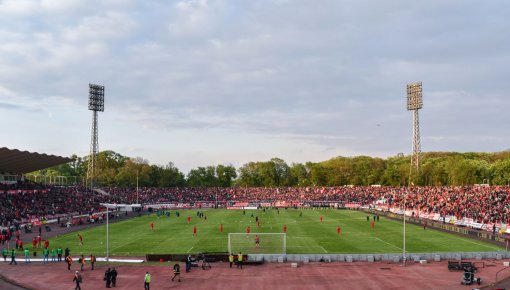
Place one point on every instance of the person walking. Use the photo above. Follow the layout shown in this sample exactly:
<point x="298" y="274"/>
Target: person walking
<point x="13" y="257"/>
<point x="27" y="256"/>
<point x="78" y="279"/>
<point x="108" y="278"/>
<point x="82" y="262"/>
<point x="4" y="253"/>
<point x="177" y="272"/>
<point x="69" y="261"/>
<point x="113" y="274"/>
<point x="231" y="260"/>
<point x="147" y="281"/>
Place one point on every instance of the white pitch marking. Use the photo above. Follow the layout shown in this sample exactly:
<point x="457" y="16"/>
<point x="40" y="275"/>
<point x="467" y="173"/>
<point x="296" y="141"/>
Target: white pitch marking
<point x="390" y="244"/>
<point x="189" y="250"/>
<point x="324" y="249"/>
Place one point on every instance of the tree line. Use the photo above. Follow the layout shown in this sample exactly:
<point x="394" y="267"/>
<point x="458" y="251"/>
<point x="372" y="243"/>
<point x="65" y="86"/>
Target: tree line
<point x="436" y="169"/>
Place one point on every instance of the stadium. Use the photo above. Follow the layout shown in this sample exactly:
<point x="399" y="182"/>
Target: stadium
<point x="324" y="230"/>
<point x="210" y="91"/>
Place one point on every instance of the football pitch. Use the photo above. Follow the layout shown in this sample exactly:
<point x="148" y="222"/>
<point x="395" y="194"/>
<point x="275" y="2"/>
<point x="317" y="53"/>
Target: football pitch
<point x="306" y="234"/>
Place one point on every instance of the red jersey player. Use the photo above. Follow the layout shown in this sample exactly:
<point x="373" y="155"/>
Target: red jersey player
<point x="152" y="226"/>
<point x="321" y="218"/>
<point x="221" y="228"/>
<point x="247" y="230"/>
<point x="372" y="224"/>
<point x="194" y="231"/>
<point x="338" y="230"/>
<point x="285" y="228"/>
<point x="189" y="219"/>
<point x="80" y="238"/>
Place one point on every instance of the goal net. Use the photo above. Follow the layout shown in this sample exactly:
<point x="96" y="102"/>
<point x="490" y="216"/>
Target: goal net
<point x="257" y="243"/>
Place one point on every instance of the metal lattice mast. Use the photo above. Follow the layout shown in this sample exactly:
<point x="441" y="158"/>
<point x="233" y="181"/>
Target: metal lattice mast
<point x="414" y="103"/>
<point x="415" y="162"/>
<point x="94" y="148"/>
<point x="96" y="104"/>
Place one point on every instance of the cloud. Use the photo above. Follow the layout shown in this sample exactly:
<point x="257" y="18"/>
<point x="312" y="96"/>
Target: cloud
<point x="314" y="74"/>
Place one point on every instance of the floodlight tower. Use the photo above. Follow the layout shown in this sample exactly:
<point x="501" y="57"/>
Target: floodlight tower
<point x="96" y="104"/>
<point x="414" y="103"/>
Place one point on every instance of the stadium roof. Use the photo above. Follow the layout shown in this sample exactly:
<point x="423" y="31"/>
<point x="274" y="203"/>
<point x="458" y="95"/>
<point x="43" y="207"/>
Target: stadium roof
<point x="14" y="161"/>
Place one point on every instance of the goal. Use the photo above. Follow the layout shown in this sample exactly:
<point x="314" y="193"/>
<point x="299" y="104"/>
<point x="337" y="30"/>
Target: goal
<point x="269" y="243"/>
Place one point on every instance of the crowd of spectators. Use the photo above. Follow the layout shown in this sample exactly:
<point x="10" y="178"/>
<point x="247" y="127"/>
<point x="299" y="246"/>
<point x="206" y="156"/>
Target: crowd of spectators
<point x="483" y="204"/>
<point x="27" y="202"/>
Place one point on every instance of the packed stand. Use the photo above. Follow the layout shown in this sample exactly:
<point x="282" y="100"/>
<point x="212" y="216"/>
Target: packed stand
<point x="483" y="204"/>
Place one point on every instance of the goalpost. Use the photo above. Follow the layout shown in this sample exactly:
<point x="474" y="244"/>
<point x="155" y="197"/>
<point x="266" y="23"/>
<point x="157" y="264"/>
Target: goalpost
<point x="268" y="243"/>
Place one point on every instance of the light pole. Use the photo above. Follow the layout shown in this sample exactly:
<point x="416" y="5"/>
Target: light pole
<point x="404" y="241"/>
<point x="107" y="233"/>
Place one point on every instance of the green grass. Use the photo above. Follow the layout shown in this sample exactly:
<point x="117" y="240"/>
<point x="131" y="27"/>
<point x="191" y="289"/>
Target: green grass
<point x="305" y="234"/>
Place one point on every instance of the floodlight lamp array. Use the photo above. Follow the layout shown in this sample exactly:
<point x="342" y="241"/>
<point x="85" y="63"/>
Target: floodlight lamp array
<point x="96" y="98"/>
<point x="414" y="96"/>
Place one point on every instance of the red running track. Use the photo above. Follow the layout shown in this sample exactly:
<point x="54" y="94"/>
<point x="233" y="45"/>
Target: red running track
<point x="357" y="275"/>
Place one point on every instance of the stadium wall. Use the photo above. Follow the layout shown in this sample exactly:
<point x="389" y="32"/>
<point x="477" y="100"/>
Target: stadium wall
<point x="396" y="258"/>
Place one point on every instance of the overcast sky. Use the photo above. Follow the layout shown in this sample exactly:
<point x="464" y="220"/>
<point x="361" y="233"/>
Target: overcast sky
<point x="205" y="82"/>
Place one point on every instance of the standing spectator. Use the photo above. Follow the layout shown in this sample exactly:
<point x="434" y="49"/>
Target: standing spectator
<point x="82" y="262"/>
<point x="113" y="273"/>
<point x="66" y="252"/>
<point x="108" y="278"/>
<point x="4" y="253"/>
<point x="45" y="255"/>
<point x="53" y="255"/>
<point x="188" y="263"/>
<point x="147" y="281"/>
<point x="77" y="278"/>
<point x="92" y="261"/>
<point x="59" y="254"/>
<point x="231" y="260"/>
<point x="27" y="256"/>
<point x="240" y="261"/>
